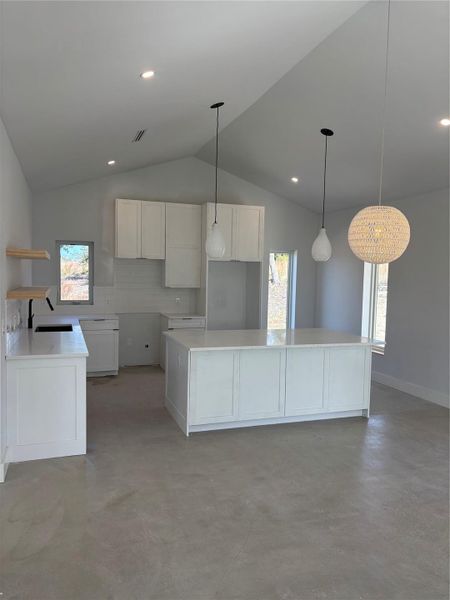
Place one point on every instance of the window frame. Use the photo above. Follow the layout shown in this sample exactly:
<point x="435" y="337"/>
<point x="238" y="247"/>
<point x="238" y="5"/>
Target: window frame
<point x="60" y="243"/>
<point x="292" y="288"/>
<point x="369" y="306"/>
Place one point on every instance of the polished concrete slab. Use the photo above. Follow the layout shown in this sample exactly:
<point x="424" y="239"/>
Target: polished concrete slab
<point x="340" y="510"/>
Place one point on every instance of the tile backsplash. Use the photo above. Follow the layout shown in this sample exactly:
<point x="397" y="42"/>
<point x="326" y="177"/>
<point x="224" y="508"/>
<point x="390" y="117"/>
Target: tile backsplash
<point x="14" y="315"/>
<point x="137" y="288"/>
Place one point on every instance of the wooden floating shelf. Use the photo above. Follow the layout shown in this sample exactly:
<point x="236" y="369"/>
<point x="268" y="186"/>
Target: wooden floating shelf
<point x="28" y="293"/>
<point x="28" y="253"/>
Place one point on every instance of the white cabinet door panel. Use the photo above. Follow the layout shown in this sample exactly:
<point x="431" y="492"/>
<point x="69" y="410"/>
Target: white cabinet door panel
<point x="153" y="227"/>
<point x="346" y="378"/>
<point x="182" y="268"/>
<point x="103" y="350"/>
<point x="128" y="228"/>
<point x="183" y="246"/>
<point x="248" y="233"/>
<point x="304" y="381"/>
<point x="212" y="387"/>
<point x="261" y="383"/>
<point x="225" y="222"/>
<point x="183" y="225"/>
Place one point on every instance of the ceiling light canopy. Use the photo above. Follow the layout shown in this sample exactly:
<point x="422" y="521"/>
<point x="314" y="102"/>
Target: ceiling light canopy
<point x="147" y="74"/>
<point x="445" y="122"/>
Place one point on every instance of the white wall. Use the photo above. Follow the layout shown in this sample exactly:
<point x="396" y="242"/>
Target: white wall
<point x="417" y="328"/>
<point x="85" y="211"/>
<point x="15" y="230"/>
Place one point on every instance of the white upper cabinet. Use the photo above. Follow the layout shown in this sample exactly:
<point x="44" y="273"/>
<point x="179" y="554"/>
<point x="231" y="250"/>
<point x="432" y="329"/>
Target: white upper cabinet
<point x="248" y="238"/>
<point x="242" y="228"/>
<point x="153" y="228"/>
<point x="128" y="228"/>
<point x="140" y="229"/>
<point x="225" y="221"/>
<point x="183" y="245"/>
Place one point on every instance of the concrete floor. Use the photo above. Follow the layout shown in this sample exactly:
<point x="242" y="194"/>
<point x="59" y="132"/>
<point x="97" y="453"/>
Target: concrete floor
<point x="344" y="509"/>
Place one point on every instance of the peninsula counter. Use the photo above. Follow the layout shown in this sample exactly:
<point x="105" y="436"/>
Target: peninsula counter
<point x="230" y="379"/>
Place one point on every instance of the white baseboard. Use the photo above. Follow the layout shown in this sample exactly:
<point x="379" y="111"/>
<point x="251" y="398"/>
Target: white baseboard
<point x="412" y="388"/>
<point x="3" y="468"/>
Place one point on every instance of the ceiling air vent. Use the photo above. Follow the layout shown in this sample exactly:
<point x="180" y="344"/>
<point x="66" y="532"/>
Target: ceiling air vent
<point x="139" y="135"/>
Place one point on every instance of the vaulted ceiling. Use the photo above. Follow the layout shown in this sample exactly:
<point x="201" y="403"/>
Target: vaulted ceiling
<point x="340" y="85"/>
<point x="71" y="97"/>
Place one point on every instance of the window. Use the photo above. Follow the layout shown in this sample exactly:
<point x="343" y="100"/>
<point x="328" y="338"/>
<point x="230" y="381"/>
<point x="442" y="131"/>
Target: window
<point x="282" y="288"/>
<point x="374" y="308"/>
<point x="75" y="272"/>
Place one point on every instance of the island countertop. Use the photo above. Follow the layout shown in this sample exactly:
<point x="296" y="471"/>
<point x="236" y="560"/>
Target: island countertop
<point x="263" y="338"/>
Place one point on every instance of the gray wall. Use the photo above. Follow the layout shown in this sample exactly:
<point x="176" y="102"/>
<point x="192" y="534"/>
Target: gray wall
<point x="15" y="230"/>
<point x="85" y="211"/>
<point x="417" y="329"/>
<point x="233" y="295"/>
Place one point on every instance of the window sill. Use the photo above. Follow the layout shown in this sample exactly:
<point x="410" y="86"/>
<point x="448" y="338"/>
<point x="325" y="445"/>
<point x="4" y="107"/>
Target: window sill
<point x="378" y="350"/>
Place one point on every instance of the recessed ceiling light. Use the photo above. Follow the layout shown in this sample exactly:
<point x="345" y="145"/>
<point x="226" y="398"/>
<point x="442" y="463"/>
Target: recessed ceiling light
<point x="147" y="74"/>
<point x="445" y="122"/>
<point x="294" y="179"/>
<point x="111" y="162"/>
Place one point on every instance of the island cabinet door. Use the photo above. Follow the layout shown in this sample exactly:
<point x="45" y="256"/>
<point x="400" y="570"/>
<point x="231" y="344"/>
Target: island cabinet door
<point x="304" y="381"/>
<point x="348" y="378"/>
<point x="261" y="383"/>
<point x="212" y="392"/>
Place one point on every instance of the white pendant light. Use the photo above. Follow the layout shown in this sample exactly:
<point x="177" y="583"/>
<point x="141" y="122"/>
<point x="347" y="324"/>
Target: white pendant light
<point x="380" y="234"/>
<point x="321" y="249"/>
<point x="215" y="242"/>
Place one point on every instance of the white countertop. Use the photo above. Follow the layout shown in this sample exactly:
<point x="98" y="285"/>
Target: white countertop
<point x="27" y="344"/>
<point x="262" y="338"/>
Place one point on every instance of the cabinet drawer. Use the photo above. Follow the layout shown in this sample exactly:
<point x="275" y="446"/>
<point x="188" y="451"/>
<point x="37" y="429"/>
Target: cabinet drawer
<point x="99" y="324"/>
<point x="186" y="323"/>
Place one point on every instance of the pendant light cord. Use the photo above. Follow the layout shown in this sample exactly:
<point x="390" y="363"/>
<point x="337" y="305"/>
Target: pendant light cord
<point x="386" y="72"/>
<point x="324" y="182"/>
<point x="217" y="164"/>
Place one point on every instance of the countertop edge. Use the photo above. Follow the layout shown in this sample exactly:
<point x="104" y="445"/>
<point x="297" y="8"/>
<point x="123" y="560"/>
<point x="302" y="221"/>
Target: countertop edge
<point x="274" y="347"/>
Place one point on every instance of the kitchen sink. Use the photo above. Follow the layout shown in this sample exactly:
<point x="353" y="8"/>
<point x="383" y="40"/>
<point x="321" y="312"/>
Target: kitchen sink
<point x="48" y="328"/>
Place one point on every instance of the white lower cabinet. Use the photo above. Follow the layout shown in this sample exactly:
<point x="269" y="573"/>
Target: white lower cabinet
<point x="251" y="386"/>
<point x="347" y="368"/>
<point x="261" y="383"/>
<point x="103" y="349"/>
<point x="213" y="389"/>
<point x="46" y="408"/>
<point x="304" y="381"/>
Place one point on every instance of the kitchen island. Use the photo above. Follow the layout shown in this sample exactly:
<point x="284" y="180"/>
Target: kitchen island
<point x="230" y="379"/>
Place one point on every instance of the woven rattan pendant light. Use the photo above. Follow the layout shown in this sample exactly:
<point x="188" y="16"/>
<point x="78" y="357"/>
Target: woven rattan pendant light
<point x="380" y="234"/>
